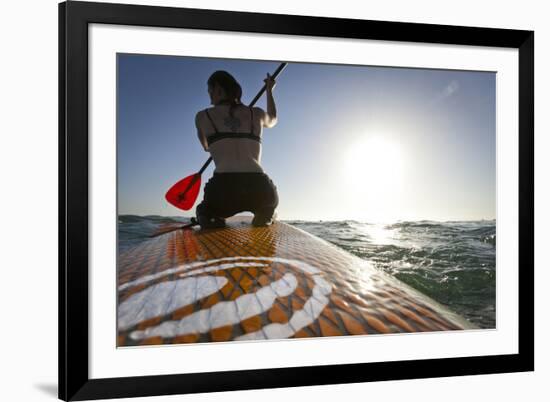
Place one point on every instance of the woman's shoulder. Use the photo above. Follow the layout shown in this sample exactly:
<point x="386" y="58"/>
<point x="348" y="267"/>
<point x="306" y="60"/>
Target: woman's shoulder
<point x="201" y="114"/>
<point x="259" y="113"/>
<point x="200" y="117"/>
<point x="257" y="109"/>
<point x="213" y="111"/>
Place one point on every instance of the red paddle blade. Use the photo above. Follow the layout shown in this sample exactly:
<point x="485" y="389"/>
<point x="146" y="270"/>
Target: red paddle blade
<point x="184" y="193"/>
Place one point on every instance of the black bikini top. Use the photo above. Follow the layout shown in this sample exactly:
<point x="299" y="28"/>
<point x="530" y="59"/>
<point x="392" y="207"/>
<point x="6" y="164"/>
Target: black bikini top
<point x="228" y="134"/>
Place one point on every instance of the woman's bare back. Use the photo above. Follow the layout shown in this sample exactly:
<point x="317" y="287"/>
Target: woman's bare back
<point x="233" y="154"/>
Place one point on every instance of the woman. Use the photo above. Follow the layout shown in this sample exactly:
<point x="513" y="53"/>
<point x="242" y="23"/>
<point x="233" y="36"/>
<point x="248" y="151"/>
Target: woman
<point x="232" y="133"/>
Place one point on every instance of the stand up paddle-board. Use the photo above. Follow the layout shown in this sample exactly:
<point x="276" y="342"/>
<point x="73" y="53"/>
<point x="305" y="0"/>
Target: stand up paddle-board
<point x="252" y="283"/>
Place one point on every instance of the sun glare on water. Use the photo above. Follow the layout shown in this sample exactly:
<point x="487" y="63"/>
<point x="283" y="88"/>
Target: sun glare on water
<point x="374" y="175"/>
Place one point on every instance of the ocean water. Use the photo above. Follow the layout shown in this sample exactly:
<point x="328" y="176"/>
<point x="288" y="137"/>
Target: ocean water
<point x="452" y="262"/>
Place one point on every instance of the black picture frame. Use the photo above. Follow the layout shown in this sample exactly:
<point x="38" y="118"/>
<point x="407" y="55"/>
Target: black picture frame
<point x="74" y="18"/>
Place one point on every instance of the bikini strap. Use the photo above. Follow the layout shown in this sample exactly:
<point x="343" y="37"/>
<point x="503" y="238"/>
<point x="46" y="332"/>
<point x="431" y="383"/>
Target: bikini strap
<point x="211" y="121"/>
<point x="251" y="120"/>
<point x="223" y="135"/>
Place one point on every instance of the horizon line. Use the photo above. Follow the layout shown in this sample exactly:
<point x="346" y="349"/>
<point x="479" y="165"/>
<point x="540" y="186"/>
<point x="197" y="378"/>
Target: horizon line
<point x="329" y="219"/>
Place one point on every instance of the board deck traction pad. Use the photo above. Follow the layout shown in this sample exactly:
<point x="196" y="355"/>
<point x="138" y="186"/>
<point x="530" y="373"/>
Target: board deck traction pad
<point x="253" y="283"/>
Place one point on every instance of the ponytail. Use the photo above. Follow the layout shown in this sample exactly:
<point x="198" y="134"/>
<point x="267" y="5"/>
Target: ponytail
<point x="232" y="88"/>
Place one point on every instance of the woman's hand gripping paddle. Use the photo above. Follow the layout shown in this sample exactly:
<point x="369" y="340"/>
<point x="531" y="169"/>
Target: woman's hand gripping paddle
<point x="184" y="193"/>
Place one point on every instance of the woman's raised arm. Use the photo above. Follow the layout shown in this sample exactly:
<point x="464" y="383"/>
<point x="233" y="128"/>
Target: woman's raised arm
<point x="271" y="116"/>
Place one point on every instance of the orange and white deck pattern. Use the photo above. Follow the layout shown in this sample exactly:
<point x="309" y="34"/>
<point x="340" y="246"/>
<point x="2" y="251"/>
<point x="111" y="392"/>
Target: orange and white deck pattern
<point x="247" y="283"/>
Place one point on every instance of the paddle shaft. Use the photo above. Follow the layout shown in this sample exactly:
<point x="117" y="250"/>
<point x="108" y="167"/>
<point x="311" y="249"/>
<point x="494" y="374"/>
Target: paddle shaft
<point x="189" y="225"/>
<point x="258" y="96"/>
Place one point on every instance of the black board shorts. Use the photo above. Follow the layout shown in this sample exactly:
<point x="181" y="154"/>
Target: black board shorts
<point x="227" y="194"/>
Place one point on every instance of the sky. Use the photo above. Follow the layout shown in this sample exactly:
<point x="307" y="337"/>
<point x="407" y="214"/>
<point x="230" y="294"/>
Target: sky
<point x="374" y="144"/>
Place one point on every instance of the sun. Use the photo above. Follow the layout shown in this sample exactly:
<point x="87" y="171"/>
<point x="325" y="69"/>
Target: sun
<point x="374" y="170"/>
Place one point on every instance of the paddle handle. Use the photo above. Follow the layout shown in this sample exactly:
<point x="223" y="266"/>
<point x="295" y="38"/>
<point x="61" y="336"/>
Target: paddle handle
<point x="275" y="74"/>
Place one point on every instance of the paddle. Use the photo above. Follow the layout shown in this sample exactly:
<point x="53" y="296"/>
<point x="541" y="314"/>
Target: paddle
<point x="162" y="231"/>
<point x="184" y="193"/>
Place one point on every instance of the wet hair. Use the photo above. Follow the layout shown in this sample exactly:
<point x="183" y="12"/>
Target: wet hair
<point x="232" y="88"/>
